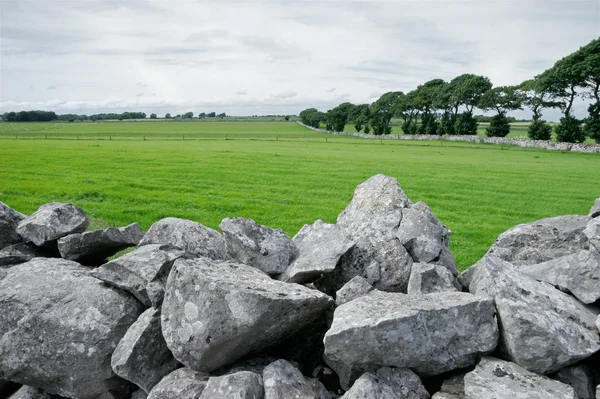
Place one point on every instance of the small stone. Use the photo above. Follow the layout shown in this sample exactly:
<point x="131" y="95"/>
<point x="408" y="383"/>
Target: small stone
<point x="26" y="392"/>
<point x="241" y="385"/>
<point x="23" y="252"/>
<point x="426" y="278"/>
<point x="452" y="388"/>
<point x="353" y="289"/>
<point x="281" y="379"/>
<point x="592" y="232"/>
<point x="9" y="220"/>
<point x="182" y="383"/>
<point x="595" y="211"/>
<point x="388" y="383"/>
<point x="51" y="222"/>
<point x="580" y="378"/>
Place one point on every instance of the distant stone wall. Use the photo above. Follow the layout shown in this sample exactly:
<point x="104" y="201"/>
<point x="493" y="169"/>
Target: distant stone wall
<point x="519" y="142"/>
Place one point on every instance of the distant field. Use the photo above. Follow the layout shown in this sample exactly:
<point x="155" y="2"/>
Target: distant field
<point x="290" y="177"/>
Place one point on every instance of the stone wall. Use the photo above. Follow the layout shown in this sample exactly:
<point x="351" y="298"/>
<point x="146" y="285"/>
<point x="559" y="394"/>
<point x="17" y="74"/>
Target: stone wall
<point x="369" y="307"/>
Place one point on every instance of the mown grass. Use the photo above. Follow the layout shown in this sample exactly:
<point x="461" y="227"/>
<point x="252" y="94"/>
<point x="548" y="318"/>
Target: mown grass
<point x="479" y="191"/>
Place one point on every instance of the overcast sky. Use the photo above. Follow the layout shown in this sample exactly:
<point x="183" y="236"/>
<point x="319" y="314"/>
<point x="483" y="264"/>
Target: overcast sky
<point x="271" y="57"/>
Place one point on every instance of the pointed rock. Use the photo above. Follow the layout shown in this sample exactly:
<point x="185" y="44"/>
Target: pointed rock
<point x="142" y="272"/>
<point x="241" y="385"/>
<point x="82" y="321"/>
<point x="529" y="313"/>
<point x="142" y="356"/>
<point x="93" y="247"/>
<point x="182" y="383"/>
<point x="353" y="289"/>
<point x="494" y="378"/>
<point x="281" y="379"/>
<point x="595" y="211"/>
<point x="9" y="220"/>
<point x="23" y="252"/>
<point x="388" y="383"/>
<point x="252" y="244"/>
<point x="231" y="310"/>
<point x="192" y="237"/>
<point x="320" y="247"/>
<point x="430" y="334"/>
<point x="51" y="222"/>
<point x="426" y="278"/>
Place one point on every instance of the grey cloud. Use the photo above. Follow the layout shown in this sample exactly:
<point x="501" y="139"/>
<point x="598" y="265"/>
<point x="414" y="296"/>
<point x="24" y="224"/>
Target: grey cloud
<point x="51" y="87"/>
<point x="285" y="95"/>
<point x="241" y="92"/>
<point x="331" y="90"/>
<point x="139" y="95"/>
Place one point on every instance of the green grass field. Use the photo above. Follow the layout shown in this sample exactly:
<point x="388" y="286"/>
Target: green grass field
<point x="290" y="177"/>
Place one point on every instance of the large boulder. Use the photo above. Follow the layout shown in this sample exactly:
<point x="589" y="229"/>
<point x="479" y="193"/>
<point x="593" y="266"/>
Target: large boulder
<point x="320" y="247"/>
<point x="252" y="244"/>
<point x="426" y="278"/>
<point x="388" y="383"/>
<point x="282" y="379"/>
<point x="192" y="237"/>
<point x="26" y="392"/>
<point x="430" y="334"/>
<point x="494" y="378"/>
<point x="23" y="252"/>
<point x="142" y="356"/>
<point x="542" y="328"/>
<point x="51" y="222"/>
<point x="580" y="378"/>
<point x="595" y="210"/>
<point x="142" y="272"/>
<point x="216" y="312"/>
<point x="541" y="241"/>
<point x="240" y="385"/>
<point x="182" y="383"/>
<point x="59" y="327"/>
<point x="353" y="289"/>
<point x="9" y="220"/>
<point x="93" y="247"/>
<point x="577" y="273"/>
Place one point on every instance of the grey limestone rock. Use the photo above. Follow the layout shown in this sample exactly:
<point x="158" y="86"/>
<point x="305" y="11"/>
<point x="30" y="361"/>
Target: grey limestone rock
<point x="182" y="383"/>
<point x="51" y="222"/>
<point x="26" y="392"/>
<point x="240" y="385"/>
<point x="542" y="328"/>
<point x="592" y="232"/>
<point x="320" y="247"/>
<point x="541" y="241"/>
<point x="142" y="272"/>
<point x="59" y="327"/>
<point x="577" y="273"/>
<point x="580" y="378"/>
<point x="426" y="278"/>
<point x="595" y="210"/>
<point x="388" y="383"/>
<point x="9" y="220"/>
<point x="452" y="388"/>
<point x="498" y="379"/>
<point x="214" y="313"/>
<point x="192" y="237"/>
<point x="139" y="394"/>
<point x="252" y="244"/>
<point x="282" y="379"/>
<point x="353" y="289"/>
<point x="93" y="247"/>
<point x="430" y="334"/>
<point x="23" y="252"/>
<point x="142" y="356"/>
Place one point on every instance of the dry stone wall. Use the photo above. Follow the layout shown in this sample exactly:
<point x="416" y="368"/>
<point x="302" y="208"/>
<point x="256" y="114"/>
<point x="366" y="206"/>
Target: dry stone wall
<point x="369" y="307"/>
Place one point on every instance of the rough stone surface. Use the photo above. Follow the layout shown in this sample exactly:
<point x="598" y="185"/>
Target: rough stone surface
<point x="252" y="244"/>
<point x="216" y="312"/>
<point x="577" y="273"/>
<point x="51" y="222"/>
<point x="281" y="379"/>
<point x="142" y="356"/>
<point x="240" y="385"/>
<point x="388" y="383"/>
<point x="23" y="252"/>
<point x="353" y="289"/>
<point x="59" y="327"/>
<point x="9" y="220"/>
<point x="580" y="378"/>
<point x="426" y="278"/>
<point x="542" y="328"/>
<point x="180" y="384"/>
<point x="592" y="232"/>
<point x="452" y="388"/>
<point x="320" y="247"/>
<point x="430" y="334"/>
<point x="139" y="394"/>
<point x="494" y="378"/>
<point x="142" y="272"/>
<point x="541" y="241"/>
<point x="26" y="392"/>
<point x="93" y="247"/>
<point x="424" y="236"/>
<point x="595" y="211"/>
<point x="190" y="236"/>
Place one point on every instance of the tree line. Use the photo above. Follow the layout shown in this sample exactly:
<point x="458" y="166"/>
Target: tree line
<point x="438" y="107"/>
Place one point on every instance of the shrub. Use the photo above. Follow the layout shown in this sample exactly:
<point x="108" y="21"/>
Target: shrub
<point x="499" y="126"/>
<point x="569" y="130"/>
<point x="539" y="130"/>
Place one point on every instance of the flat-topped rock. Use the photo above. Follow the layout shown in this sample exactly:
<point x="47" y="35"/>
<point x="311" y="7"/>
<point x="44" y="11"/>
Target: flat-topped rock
<point x="353" y="289"/>
<point x="24" y="252"/>
<point x="240" y="385"/>
<point x="9" y="220"/>
<point x="182" y="383"/>
<point x="51" y="222"/>
<point x="426" y="278"/>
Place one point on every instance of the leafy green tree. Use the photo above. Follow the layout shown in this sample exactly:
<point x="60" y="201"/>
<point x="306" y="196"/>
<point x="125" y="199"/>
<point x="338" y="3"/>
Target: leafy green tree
<point x="535" y="94"/>
<point x="590" y="68"/>
<point x="361" y="115"/>
<point x="501" y="99"/>
<point x="427" y="102"/>
<point x="336" y="118"/>
<point x="211" y="115"/>
<point x="202" y="115"/>
<point x="569" y="130"/>
<point x="287" y="117"/>
<point x="465" y="124"/>
<point x="167" y="116"/>
<point x="382" y="111"/>
<point x="153" y="116"/>
<point x="408" y="108"/>
<point x="188" y="115"/>
<point x="312" y="117"/>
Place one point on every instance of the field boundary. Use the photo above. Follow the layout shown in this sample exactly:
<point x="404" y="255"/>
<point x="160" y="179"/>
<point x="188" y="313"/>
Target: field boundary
<point x="541" y="144"/>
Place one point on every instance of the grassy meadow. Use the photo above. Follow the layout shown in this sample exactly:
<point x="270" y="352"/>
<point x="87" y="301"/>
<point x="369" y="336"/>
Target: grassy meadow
<point x="282" y="175"/>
